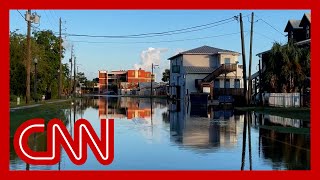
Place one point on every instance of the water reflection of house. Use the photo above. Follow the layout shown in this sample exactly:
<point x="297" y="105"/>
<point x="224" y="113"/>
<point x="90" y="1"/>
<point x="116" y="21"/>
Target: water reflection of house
<point x="219" y="129"/>
<point x="128" y="108"/>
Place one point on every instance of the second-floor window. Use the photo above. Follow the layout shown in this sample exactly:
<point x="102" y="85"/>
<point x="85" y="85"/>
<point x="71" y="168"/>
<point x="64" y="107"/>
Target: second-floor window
<point x="307" y="32"/>
<point x="227" y="61"/>
<point x="175" y="69"/>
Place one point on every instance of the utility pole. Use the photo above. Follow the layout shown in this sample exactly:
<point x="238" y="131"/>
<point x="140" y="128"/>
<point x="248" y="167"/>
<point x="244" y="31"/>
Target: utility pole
<point x="77" y="79"/>
<point x="28" y="61"/>
<point x="151" y="90"/>
<point x="74" y="77"/>
<point x="152" y="66"/>
<point x="71" y="70"/>
<point x="30" y="18"/>
<point x="260" y="84"/>
<point x="250" y="60"/>
<point x="243" y="62"/>
<point x="60" y="66"/>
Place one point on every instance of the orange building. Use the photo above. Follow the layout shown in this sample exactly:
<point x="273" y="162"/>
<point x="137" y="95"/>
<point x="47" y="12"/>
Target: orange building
<point x="131" y="77"/>
<point x="136" y="76"/>
<point x="103" y="81"/>
<point x="129" y="109"/>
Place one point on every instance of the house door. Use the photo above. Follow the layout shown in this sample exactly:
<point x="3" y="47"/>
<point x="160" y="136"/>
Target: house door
<point x="227" y="83"/>
<point x="178" y="91"/>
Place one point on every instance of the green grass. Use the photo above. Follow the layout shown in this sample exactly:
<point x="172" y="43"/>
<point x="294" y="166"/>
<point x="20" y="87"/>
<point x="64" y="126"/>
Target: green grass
<point x="13" y="104"/>
<point x="294" y="113"/>
<point x="45" y="111"/>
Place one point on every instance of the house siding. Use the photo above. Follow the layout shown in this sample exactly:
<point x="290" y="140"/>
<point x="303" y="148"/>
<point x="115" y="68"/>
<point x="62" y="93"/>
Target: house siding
<point x="198" y="60"/>
<point x="190" y="82"/>
<point x="187" y="80"/>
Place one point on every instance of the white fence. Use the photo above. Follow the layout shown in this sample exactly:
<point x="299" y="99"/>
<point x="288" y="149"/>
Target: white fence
<point x="297" y="123"/>
<point x="282" y="99"/>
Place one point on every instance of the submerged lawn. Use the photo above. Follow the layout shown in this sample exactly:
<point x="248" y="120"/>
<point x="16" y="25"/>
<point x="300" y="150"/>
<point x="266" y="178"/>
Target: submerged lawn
<point x="45" y="111"/>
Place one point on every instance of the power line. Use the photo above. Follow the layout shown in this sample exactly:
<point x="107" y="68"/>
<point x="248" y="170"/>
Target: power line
<point x="53" y="16"/>
<point x="270" y="25"/>
<point x="166" y="41"/>
<point x="48" y="19"/>
<point x="265" y="36"/>
<point x="21" y="15"/>
<point x="165" y="33"/>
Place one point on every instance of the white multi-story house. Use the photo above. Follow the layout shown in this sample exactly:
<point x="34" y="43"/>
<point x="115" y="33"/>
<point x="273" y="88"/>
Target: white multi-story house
<point x="204" y="69"/>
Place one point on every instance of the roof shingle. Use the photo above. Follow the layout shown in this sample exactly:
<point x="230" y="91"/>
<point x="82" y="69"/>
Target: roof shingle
<point x="205" y="50"/>
<point x="294" y="24"/>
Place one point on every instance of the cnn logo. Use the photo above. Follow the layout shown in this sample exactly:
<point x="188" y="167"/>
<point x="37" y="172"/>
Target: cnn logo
<point x="58" y="136"/>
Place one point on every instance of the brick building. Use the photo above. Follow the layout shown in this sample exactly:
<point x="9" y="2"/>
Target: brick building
<point x="123" y="80"/>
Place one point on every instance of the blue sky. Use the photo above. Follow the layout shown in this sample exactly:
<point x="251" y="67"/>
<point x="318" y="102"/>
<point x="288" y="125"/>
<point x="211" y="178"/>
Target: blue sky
<point x="95" y="54"/>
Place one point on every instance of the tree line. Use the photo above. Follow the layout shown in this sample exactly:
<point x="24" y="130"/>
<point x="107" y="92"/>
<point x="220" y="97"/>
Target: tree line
<point x="45" y="47"/>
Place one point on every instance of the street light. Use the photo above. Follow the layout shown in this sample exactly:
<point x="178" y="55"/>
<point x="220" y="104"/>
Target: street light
<point x="35" y="60"/>
<point x="152" y="67"/>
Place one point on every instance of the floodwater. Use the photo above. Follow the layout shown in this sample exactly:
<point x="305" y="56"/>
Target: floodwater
<point x="161" y="135"/>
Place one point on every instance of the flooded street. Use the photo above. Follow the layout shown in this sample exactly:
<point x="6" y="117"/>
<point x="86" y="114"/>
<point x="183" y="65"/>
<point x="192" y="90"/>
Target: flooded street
<point x="161" y="135"/>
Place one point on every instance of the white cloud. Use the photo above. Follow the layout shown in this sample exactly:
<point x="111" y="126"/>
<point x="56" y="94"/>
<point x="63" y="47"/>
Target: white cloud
<point x="153" y="55"/>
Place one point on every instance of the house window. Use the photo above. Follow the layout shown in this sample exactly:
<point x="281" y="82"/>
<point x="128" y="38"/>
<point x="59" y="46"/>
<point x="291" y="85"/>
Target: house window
<point x="132" y="73"/>
<point x="237" y="83"/>
<point x="216" y="83"/>
<point x="291" y="34"/>
<point x="175" y="69"/>
<point x="227" y="61"/>
<point x="308" y="32"/>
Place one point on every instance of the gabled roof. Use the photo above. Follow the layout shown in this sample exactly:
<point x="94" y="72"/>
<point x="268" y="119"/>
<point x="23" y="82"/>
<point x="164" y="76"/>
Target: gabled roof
<point x="198" y="70"/>
<point x="205" y="50"/>
<point x="294" y="24"/>
<point x="306" y="18"/>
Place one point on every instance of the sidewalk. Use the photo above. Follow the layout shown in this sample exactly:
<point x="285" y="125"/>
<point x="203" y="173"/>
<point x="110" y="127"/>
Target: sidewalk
<point x="35" y="105"/>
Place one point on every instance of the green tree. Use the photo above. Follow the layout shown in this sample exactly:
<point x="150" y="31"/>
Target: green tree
<point x="166" y="75"/>
<point x="81" y="77"/>
<point x="49" y="60"/>
<point x="17" y="65"/>
<point x="45" y="46"/>
<point x="287" y="68"/>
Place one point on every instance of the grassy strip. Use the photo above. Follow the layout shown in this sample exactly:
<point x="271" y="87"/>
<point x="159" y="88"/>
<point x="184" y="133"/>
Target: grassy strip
<point x="46" y="111"/>
<point x="294" y="113"/>
<point x="23" y="103"/>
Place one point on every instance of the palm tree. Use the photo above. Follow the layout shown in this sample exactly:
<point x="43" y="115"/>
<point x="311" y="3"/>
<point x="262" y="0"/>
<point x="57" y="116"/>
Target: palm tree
<point x="287" y="67"/>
